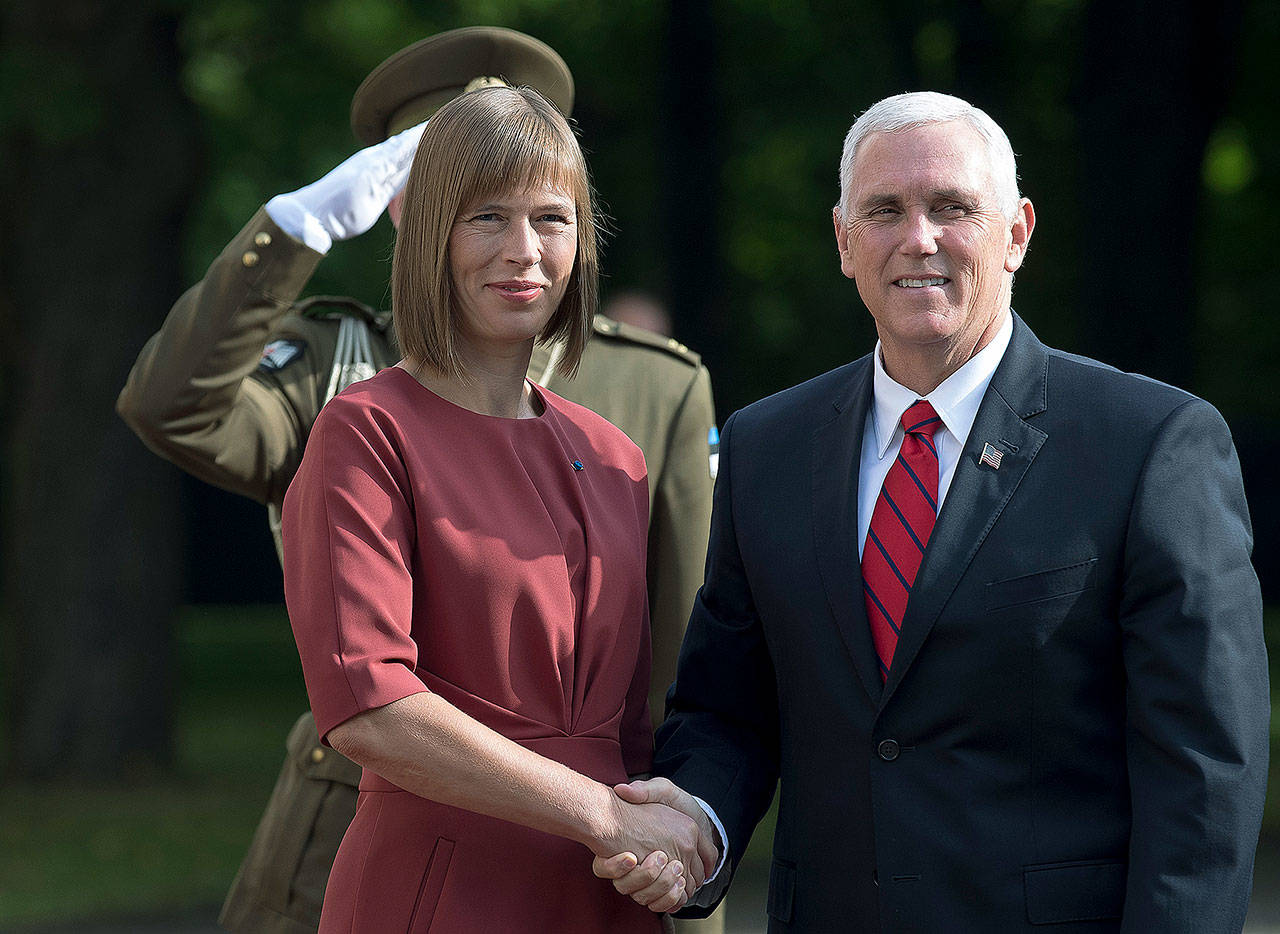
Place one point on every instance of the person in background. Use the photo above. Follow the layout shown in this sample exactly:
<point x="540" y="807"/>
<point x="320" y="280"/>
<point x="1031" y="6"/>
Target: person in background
<point x="230" y="386"/>
<point x="640" y="310"/>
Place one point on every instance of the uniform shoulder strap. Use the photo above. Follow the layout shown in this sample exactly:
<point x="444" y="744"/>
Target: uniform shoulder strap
<point x="617" y="330"/>
<point x="332" y="307"/>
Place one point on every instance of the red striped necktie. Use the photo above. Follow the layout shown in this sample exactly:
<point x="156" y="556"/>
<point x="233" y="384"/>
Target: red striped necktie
<point x="900" y="527"/>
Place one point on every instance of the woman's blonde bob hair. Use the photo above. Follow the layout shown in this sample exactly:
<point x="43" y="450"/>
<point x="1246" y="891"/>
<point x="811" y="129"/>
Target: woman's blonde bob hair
<point x="480" y="144"/>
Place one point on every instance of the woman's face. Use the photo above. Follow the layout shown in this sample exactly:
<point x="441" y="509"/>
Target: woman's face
<point x="510" y="257"/>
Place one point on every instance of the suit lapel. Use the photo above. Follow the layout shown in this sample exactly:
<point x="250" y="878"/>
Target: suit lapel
<point x="836" y="456"/>
<point x="978" y="494"/>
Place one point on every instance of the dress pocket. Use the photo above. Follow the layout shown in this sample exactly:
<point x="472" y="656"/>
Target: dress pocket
<point x="1042" y="585"/>
<point x="424" y="909"/>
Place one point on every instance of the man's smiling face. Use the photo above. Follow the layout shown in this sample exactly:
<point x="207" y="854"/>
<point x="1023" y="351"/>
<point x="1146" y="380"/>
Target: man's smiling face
<point x="925" y="240"/>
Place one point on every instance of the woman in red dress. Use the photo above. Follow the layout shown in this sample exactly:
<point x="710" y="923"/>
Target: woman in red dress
<point x="465" y="568"/>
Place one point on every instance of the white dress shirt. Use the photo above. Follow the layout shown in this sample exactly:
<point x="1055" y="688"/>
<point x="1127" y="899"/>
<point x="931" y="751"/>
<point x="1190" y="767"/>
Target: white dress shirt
<point x="956" y="400"/>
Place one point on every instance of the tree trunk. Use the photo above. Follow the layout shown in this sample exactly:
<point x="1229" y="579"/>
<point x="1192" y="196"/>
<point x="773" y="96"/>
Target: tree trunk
<point x="690" y="121"/>
<point x="98" y="158"/>
<point x="1155" y="83"/>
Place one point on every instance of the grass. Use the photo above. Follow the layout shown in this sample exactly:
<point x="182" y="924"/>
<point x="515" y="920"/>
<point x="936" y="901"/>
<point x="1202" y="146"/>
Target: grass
<point x="71" y="852"/>
<point x="74" y="852"/>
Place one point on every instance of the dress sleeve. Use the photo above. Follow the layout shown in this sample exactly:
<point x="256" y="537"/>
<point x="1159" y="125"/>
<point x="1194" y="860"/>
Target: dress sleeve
<point x="348" y="545"/>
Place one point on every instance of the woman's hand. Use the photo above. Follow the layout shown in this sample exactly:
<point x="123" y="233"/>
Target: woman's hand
<point x="666" y="892"/>
<point x="666" y="878"/>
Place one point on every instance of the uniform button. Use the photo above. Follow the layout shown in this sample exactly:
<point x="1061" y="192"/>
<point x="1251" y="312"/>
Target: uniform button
<point x="262" y="238"/>
<point x="317" y="755"/>
<point x="250" y="259"/>
<point x="888" y="750"/>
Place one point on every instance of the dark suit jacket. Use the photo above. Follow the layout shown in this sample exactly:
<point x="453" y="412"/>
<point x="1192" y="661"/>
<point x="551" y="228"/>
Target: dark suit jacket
<point x="1074" y="732"/>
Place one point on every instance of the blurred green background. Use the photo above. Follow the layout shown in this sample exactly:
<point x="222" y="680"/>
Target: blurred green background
<point x="149" y="673"/>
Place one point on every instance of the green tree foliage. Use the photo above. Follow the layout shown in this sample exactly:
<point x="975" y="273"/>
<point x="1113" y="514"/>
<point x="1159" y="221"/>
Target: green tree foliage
<point x="273" y="79"/>
<point x="713" y="128"/>
<point x="1236" y="329"/>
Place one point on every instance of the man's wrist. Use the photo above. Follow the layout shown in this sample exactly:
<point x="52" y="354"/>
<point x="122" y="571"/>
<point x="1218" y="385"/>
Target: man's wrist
<point x="722" y="839"/>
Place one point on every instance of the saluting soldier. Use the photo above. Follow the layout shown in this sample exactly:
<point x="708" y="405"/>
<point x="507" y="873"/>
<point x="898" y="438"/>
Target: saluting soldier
<point x="229" y="387"/>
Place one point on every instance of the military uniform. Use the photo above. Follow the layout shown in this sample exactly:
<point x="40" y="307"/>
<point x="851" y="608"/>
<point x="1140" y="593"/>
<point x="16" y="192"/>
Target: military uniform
<point x="206" y="395"/>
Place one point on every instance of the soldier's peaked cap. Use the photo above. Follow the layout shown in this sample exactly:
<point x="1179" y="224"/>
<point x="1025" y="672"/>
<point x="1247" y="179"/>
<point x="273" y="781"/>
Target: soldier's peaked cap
<point x="417" y="81"/>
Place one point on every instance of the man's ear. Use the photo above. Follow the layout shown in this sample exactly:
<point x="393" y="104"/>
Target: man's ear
<point x="1024" y="222"/>
<point x="842" y="242"/>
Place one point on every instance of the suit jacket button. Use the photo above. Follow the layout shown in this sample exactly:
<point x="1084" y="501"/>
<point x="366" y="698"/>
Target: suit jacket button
<point x="888" y="750"/>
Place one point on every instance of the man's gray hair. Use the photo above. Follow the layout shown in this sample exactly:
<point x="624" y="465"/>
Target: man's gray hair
<point x="922" y="108"/>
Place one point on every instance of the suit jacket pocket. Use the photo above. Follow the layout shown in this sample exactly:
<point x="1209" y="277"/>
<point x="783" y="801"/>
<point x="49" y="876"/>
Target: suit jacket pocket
<point x="1043" y="585"/>
<point x="1082" y="890"/>
<point x="782" y="887"/>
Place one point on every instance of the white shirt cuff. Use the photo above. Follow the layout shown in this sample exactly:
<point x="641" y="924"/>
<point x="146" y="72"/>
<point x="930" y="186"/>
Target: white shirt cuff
<point x="299" y="223"/>
<point x="710" y="889"/>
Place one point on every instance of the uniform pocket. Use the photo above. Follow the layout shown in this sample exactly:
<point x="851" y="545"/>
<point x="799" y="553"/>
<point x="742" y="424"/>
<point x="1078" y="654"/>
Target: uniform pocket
<point x="782" y="889"/>
<point x="1082" y="890"/>
<point x="424" y="909"/>
<point x="311" y="806"/>
<point x="1043" y="585"/>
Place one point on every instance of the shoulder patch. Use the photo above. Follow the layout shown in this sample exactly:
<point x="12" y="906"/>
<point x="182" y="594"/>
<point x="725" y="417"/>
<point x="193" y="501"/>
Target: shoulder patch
<point x="607" y="327"/>
<point x="279" y="354"/>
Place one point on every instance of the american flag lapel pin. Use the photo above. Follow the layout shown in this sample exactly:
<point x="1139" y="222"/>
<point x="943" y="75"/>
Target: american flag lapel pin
<point x="991" y="456"/>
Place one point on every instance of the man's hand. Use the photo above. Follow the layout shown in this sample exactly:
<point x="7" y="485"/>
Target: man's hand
<point x="651" y="882"/>
<point x="672" y="843"/>
<point x="349" y="199"/>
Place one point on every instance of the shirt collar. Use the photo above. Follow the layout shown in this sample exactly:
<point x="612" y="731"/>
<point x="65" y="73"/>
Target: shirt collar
<point x="956" y="399"/>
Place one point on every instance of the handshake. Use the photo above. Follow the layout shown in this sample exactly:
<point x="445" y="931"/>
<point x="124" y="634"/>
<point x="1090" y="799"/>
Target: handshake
<point x="660" y="845"/>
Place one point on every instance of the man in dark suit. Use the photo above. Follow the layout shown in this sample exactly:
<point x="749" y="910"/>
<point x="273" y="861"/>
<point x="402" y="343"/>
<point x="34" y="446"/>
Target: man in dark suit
<point x="984" y="607"/>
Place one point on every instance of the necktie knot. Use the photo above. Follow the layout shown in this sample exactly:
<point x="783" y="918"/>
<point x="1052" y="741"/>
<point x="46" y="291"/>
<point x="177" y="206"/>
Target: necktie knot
<point x="920" y="419"/>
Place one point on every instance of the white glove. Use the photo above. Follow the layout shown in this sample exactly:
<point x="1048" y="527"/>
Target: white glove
<point x="351" y="198"/>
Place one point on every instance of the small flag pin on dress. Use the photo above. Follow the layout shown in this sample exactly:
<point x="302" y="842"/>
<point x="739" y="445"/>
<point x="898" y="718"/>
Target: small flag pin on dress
<point x="991" y="456"/>
<point x="577" y="465"/>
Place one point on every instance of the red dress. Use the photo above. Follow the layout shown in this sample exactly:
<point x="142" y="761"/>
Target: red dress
<point x="501" y="564"/>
